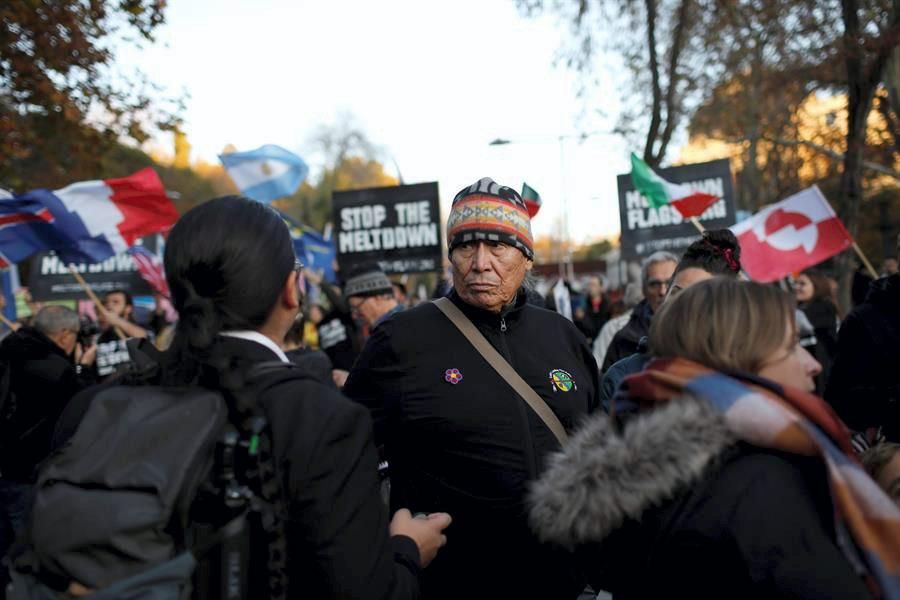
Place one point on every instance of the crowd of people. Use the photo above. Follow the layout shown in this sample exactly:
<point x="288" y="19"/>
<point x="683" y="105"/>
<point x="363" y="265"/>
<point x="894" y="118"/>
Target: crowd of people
<point x="693" y="434"/>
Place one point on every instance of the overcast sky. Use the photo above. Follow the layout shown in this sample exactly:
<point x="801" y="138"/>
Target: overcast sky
<point x="432" y="83"/>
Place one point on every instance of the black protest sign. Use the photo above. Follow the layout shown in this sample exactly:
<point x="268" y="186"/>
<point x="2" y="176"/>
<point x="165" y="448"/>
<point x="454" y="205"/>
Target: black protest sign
<point x="646" y="230"/>
<point x="50" y="278"/>
<point x="398" y="227"/>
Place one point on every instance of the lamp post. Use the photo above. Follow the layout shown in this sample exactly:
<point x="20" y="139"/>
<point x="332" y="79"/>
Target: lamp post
<point x="565" y="257"/>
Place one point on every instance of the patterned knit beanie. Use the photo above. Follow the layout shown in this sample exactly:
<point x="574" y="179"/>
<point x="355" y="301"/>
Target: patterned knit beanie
<point x="488" y="211"/>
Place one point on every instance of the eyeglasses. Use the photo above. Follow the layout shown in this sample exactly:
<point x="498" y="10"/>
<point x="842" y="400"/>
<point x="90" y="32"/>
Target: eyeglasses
<point x="354" y="307"/>
<point x="655" y="284"/>
<point x="301" y="280"/>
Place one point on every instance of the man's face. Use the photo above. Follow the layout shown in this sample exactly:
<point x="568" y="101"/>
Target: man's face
<point x="367" y="308"/>
<point x="890" y="266"/>
<point x="595" y="287"/>
<point x="657" y="283"/>
<point x="117" y="304"/>
<point x="488" y="274"/>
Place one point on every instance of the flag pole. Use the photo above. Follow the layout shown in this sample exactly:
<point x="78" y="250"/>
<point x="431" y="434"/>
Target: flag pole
<point x="865" y="260"/>
<point x="92" y="296"/>
<point x="12" y="326"/>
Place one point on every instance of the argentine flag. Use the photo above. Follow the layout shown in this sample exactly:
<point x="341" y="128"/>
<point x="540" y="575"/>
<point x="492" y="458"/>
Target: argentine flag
<point x="267" y="173"/>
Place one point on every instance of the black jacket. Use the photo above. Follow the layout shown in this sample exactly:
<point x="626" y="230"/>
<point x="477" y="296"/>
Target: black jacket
<point x="337" y="534"/>
<point x="42" y="380"/>
<point x="626" y="341"/>
<point x="338" y="333"/>
<point x="675" y="508"/>
<point x="823" y="317"/>
<point x="594" y="320"/>
<point x="470" y="448"/>
<point x="864" y="387"/>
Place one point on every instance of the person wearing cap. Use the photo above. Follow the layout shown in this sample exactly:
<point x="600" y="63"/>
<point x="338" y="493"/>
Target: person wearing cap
<point x="457" y="436"/>
<point x="370" y="295"/>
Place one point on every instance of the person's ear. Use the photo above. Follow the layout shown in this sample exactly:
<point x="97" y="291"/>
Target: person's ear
<point x="290" y="295"/>
<point x="529" y="264"/>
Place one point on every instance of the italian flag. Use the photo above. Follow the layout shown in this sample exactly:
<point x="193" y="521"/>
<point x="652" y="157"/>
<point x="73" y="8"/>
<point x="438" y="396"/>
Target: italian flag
<point x="532" y="199"/>
<point x="688" y="201"/>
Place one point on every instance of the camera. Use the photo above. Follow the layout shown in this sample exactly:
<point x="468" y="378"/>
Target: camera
<point x="87" y="333"/>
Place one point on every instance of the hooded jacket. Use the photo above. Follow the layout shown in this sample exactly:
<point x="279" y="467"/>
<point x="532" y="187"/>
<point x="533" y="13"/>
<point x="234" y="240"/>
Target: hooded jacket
<point x="864" y="387"/>
<point x="460" y="440"/>
<point x="672" y="506"/>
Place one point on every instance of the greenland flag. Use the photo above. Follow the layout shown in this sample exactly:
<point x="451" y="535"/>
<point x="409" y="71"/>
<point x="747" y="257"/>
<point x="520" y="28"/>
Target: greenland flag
<point x="88" y="221"/>
<point x="789" y="236"/>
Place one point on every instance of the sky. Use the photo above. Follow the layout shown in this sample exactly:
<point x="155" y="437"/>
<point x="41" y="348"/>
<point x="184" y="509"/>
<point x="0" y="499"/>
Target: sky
<point x="431" y="84"/>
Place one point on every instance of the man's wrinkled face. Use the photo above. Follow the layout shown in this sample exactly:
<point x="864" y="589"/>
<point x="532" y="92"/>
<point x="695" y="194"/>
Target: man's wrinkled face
<point x="488" y="274"/>
<point x="657" y="284"/>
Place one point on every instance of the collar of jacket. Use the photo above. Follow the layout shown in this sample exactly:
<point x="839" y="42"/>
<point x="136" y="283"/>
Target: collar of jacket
<point x="606" y="477"/>
<point x="28" y="343"/>
<point x="510" y="313"/>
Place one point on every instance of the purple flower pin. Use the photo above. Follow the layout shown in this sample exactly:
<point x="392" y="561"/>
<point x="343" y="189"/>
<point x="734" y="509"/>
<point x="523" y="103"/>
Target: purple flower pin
<point x="452" y="376"/>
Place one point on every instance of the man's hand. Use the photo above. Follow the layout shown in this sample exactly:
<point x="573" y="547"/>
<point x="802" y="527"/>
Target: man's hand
<point x="123" y="325"/>
<point x="425" y="531"/>
<point x="85" y="357"/>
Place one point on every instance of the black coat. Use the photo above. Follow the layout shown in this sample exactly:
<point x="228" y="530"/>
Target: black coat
<point x="823" y="317"/>
<point x="594" y="320"/>
<point x="674" y="508"/>
<point x="337" y="535"/>
<point x="42" y="380"/>
<point x="864" y="387"/>
<point x="626" y="342"/>
<point x="470" y="448"/>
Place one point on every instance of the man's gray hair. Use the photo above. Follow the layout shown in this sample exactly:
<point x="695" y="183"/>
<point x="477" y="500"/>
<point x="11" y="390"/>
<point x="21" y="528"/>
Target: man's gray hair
<point x="654" y="259"/>
<point x="53" y="319"/>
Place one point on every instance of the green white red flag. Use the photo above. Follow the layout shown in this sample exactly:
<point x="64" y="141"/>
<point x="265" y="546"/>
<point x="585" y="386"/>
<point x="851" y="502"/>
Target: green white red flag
<point x="687" y="200"/>
<point x="532" y="199"/>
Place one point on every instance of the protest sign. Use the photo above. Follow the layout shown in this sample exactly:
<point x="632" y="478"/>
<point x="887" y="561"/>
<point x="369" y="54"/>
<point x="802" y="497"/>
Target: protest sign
<point x="646" y="230"/>
<point x="50" y="279"/>
<point x="398" y="227"/>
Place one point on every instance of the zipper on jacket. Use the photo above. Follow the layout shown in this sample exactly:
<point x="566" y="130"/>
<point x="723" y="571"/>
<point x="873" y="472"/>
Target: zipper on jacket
<point x="503" y="324"/>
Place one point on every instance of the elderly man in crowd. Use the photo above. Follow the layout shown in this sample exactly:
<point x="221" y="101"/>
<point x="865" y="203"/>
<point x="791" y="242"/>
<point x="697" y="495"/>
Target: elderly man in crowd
<point x="457" y="436"/>
<point x="656" y="272"/>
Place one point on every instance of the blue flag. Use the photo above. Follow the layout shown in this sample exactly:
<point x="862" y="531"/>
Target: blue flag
<point x="312" y="248"/>
<point x="267" y="173"/>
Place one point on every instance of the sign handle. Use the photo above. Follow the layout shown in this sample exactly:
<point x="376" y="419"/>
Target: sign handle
<point x="865" y="260"/>
<point x="92" y="295"/>
<point x="12" y="326"/>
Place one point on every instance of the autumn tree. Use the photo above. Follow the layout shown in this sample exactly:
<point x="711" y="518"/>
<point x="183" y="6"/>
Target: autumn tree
<point x="55" y="61"/>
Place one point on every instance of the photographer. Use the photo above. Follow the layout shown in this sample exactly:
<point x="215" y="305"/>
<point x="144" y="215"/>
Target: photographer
<point x="41" y="367"/>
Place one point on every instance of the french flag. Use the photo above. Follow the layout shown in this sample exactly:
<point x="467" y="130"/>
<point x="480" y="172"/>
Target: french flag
<point x="88" y="221"/>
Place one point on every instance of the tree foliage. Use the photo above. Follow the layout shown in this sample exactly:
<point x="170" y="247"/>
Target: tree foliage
<point x="61" y="106"/>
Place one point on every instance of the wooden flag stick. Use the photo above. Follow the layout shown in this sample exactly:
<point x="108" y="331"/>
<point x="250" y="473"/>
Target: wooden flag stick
<point x="698" y="224"/>
<point x="92" y="296"/>
<point x="865" y="260"/>
<point x="12" y="326"/>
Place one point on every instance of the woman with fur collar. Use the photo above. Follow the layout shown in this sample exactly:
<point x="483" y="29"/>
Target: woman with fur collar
<point x="719" y="474"/>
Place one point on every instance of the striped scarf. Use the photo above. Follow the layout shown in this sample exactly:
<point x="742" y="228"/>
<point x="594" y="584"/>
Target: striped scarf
<point x="767" y="415"/>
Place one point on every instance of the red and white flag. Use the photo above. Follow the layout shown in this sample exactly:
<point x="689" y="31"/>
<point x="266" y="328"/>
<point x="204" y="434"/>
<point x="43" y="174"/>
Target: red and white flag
<point x="151" y="269"/>
<point x="789" y="236"/>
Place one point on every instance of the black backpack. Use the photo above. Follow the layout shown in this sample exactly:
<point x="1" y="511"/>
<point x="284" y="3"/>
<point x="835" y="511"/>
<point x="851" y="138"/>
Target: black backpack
<point x="163" y="494"/>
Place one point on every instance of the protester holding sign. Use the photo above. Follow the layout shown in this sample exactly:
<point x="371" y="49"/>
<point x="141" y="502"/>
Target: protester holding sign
<point x="457" y="436"/>
<point x="116" y="319"/>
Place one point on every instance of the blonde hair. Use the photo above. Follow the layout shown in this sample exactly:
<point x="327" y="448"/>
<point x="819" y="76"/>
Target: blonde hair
<point x="723" y="324"/>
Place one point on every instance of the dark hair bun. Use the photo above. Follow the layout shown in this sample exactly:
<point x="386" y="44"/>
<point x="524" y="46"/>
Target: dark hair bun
<point x="723" y="239"/>
<point x="717" y="252"/>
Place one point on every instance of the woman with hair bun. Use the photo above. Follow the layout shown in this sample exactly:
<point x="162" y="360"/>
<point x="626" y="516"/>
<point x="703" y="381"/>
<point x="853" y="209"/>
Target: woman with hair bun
<point x="238" y="288"/>
<point x="716" y="254"/>
<point x="721" y="475"/>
